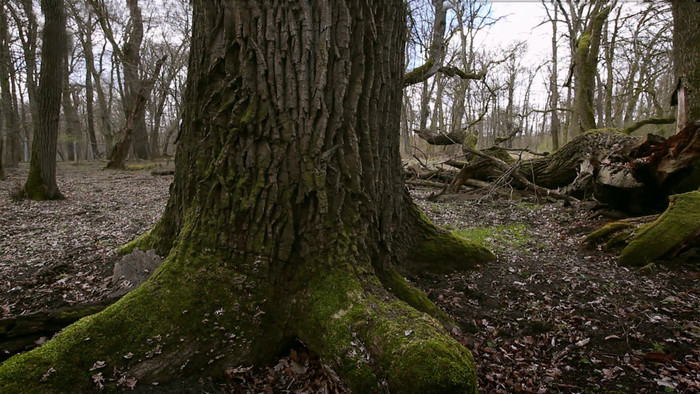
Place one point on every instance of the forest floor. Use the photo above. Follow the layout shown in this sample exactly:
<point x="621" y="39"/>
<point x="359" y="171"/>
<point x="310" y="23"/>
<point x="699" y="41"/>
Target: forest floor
<point x="547" y="316"/>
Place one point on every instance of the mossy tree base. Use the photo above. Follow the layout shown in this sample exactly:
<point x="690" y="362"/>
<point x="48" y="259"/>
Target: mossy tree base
<point x="287" y="219"/>
<point x="203" y="311"/>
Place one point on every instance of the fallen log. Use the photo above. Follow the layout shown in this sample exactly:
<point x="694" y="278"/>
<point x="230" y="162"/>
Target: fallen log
<point x="25" y="332"/>
<point x="644" y="240"/>
<point x="631" y="173"/>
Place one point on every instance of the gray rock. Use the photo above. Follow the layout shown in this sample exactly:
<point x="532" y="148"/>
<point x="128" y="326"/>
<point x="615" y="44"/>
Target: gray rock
<point x="133" y="269"/>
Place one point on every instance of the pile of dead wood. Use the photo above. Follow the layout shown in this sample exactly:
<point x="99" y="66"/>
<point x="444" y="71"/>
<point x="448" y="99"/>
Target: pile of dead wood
<point x="630" y="173"/>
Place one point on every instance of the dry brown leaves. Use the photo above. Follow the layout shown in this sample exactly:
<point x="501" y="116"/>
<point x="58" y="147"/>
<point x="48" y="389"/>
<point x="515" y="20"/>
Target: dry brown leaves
<point x="551" y="316"/>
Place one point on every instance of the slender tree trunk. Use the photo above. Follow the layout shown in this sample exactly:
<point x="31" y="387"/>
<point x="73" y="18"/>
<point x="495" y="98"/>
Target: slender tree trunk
<point x="609" y="68"/>
<point x="553" y="85"/>
<point x="86" y="38"/>
<point x="8" y="121"/>
<point x="586" y="63"/>
<point x="29" y="43"/>
<point x="168" y="136"/>
<point x="14" y="138"/>
<point x="291" y="216"/>
<point x="158" y="110"/>
<point x="406" y="121"/>
<point x="132" y="80"/>
<point x="71" y="119"/>
<point x="8" y="93"/>
<point x="41" y="181"/>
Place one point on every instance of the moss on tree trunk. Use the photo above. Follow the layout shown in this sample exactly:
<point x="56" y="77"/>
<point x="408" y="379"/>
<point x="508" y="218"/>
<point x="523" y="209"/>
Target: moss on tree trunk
<point x="287" y="219"/>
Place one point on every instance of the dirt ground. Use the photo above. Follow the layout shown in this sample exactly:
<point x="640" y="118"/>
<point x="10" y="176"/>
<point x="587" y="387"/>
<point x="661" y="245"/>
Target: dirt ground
<point x="547" y="316"/>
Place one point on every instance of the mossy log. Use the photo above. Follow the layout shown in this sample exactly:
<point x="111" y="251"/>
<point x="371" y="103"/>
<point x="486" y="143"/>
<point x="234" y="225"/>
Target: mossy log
<point x="644" y="240"/>
<point x="20" y="333"/>
<point x="677" y="227"/>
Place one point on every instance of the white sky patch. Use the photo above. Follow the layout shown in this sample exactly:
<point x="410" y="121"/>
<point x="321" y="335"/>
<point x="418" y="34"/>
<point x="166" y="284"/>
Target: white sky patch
<point x="520" y="20"/>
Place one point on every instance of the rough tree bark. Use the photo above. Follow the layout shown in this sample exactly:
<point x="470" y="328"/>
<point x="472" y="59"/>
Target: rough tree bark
<point x="41" y="181"/>
<point x="288" y="217"/>
<point x="133" y="82"/>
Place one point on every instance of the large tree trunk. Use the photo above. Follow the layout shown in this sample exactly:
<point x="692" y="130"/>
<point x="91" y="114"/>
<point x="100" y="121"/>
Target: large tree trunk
<point x="41" y="181"/>
<point x="287" y="219"/>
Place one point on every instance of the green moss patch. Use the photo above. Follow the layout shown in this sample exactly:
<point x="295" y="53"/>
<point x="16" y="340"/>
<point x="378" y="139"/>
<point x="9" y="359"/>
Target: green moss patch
<point x="414" y="297"/>
<point x="679" y="222"/>
<point x="369" y="338"/>
<point x="143" y="242"/>
<point x="500" y="237"/>
<point x="443" y="252"/>
<point x="141" y="167"/>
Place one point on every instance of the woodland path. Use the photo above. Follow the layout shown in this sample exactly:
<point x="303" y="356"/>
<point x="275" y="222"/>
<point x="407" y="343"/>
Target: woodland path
<point x="547" y="316"/>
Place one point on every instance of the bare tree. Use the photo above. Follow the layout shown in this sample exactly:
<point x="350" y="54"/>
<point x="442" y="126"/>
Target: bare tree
<point x="8" y="123"/>
<point x="585" y="66"/>
<point x="129" y="55"/>
<point x="71" y="119"/>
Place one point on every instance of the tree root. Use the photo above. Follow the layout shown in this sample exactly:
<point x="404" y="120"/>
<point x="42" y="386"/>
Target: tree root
<point x="199" y="314"/>
<point x="375" y="341"/>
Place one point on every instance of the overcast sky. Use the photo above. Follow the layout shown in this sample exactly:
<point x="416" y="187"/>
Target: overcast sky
<point x="519" y="22"/>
